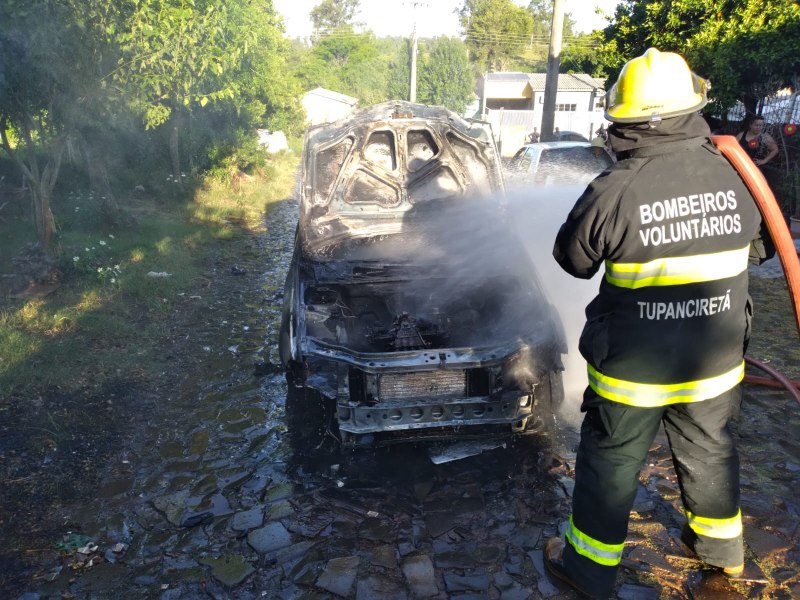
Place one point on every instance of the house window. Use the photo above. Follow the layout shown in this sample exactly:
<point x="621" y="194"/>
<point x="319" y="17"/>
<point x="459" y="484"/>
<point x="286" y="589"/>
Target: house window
<point x="566" y="107"/>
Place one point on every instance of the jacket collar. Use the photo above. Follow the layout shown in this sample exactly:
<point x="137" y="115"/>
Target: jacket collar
<point x="670" y="135"/>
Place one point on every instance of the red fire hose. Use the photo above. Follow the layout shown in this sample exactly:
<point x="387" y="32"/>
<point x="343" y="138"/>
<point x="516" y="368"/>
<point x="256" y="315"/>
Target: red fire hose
<point x="776" y="225"/>
<point x="778" y="378"/>
<point x="768" y="381"/>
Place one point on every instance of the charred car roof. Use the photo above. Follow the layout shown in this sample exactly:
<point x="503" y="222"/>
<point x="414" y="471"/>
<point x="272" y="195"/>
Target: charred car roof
<point x="369" y="174"/>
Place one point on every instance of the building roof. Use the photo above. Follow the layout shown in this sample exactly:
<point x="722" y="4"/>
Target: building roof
<point x="567" y="82"/>
<point x="331" y="95"/>
<point x="508" y="76"/>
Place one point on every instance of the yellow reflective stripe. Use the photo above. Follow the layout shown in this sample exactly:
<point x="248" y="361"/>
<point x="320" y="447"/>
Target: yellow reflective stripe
<point x="595" y="550"/>
<point x="724" y="529"/>
<point x="678" y="270"/>
<point x="648" y="395"/>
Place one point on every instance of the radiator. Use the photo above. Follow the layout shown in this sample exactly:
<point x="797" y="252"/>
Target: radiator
<point x="433" y="384"/>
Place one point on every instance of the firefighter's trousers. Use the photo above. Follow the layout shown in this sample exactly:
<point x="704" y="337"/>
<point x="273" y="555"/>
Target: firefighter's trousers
<point x="615" y="439"/>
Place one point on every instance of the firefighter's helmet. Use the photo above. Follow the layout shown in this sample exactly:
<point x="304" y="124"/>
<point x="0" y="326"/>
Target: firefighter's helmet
<point x="655" y="86"/>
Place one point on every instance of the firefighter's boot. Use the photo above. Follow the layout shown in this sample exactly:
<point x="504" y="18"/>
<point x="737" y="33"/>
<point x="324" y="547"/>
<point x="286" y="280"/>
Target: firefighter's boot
<point x="553" y="551"/>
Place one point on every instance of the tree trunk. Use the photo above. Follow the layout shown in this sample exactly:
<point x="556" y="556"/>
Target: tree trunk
<point x="41" y="181"/>
<point x="43" y="218"/>
<point x="174" y="152"/>
<point x="750" y="104"/>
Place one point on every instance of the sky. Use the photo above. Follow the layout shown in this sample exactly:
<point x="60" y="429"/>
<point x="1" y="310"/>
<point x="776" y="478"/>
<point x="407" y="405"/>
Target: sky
<point x="433" y="17"/>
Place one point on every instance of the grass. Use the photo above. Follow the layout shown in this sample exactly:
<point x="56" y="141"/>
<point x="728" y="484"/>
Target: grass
<point x="118" y="287"/>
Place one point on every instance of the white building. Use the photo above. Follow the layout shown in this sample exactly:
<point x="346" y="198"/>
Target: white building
<point x="325" y="106"/>
<point x="513" y="103"/>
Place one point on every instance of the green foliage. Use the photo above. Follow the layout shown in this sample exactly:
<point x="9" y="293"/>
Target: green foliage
<point x="177" y="53"/>
<point x="349" y="63"/>
<point x="228" y="157"/>
<point x="542" y="12"/>
<point x="579" y="55"/>
<point x="577" y="49"/>
<point x="80" y="78"/>
<point x="49" y="91"/>
<point x="445" y="75"/>
<point x="95" y="259"/>
<point x="332" y="14"/>
<point x="748" y="48"/>
<point x="80" y="211"/>
<point x="44" y="341"/>
<point x="497" y="31"/>
<point x="397" y="85"/>
<point x="189" y="54"/>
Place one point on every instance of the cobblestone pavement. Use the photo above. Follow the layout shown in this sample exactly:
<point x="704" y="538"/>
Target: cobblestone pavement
<point x="216" y="497"/>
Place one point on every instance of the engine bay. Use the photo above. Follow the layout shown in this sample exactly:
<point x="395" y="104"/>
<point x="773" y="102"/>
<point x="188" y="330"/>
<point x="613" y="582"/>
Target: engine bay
<point x="398" y="316"/>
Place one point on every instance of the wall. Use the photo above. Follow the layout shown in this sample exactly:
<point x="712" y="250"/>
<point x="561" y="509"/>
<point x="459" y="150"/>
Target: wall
<point x="322" y="109"/>
<point x="512" y="126"/>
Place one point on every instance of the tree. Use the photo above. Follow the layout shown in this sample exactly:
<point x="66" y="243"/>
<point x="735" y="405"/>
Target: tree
<point x="748" y="48"/>
<point x="497" y="31"/>
<point x="332" y="14"/>
<point x="749" y="53"/>
<point x="577" y="52"/>
<point x="51" y="63"/>
<point x="349" y="63"/>
<point x="579" y="55"/>
<point x="542" y="13"/>
<point x="399" y="71"/>
<point x="445" y="74"/>
<point x="181" y="55"/>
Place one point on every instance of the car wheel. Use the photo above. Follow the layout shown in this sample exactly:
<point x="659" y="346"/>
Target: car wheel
<point x="310" y="419"/>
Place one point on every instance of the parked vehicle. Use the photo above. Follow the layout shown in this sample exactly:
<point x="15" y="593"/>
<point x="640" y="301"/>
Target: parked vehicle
<point x="410" y="311"/>
<point x="564" y="163"/>
<point x="568" y="136"/>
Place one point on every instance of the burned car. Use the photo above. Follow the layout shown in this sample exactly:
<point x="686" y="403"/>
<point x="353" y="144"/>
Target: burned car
<point x="410" y="311"/>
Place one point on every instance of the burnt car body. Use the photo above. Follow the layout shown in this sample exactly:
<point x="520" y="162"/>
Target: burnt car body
<point x="409" y="309"/>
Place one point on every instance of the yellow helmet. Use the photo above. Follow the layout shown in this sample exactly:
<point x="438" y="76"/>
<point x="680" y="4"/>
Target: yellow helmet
<point x="655" y="86"/>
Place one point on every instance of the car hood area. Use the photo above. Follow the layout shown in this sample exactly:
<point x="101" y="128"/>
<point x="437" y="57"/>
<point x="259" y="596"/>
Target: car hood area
<point x="404" y="248"/>
<point x="378" y="174"/>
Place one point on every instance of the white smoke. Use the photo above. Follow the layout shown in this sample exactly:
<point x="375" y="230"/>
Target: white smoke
<point x="472" y="246"/>
<point x="536" y="213"/>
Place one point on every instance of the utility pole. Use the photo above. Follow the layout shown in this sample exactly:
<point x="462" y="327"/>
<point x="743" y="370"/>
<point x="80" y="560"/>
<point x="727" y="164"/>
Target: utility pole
<point x="412" y="68"/>
<point x="553" y="64"/>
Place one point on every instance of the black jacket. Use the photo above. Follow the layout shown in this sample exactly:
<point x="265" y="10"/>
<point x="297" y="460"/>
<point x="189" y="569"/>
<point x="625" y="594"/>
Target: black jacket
<point x="672" y="208"/>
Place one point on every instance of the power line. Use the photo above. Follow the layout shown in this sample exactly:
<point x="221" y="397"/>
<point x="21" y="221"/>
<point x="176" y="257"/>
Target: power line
<point x="486" y="37"/>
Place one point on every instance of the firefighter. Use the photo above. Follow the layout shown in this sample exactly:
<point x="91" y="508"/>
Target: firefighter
<point x="598" y="145"/>
<point x="675" y="228"/>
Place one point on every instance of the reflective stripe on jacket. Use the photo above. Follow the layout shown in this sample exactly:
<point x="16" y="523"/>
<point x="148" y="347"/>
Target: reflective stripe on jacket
<point x="649" y="395"/>
<point x="678" y="270"/>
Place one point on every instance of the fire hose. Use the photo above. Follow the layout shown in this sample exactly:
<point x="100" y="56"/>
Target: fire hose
<point x="778" y="231"/>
